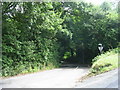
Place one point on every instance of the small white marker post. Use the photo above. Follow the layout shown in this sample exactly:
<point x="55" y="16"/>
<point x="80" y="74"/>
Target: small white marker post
<point x="100" y="47"/>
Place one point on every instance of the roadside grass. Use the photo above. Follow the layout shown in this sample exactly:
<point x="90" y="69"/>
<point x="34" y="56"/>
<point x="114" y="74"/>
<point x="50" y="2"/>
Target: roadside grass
<point x="103" y="63"/>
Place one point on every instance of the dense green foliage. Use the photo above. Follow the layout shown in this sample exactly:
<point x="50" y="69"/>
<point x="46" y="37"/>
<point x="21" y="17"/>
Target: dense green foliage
<point x="39" y="35"/>
<point x="105" y="62"/>
<point x="90" y="26"/>
<point x="29" y="37"/>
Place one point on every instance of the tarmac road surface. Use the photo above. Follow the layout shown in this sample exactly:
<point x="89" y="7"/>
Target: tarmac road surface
<point x="105" y="80"/>
<point x="57" y="78"/>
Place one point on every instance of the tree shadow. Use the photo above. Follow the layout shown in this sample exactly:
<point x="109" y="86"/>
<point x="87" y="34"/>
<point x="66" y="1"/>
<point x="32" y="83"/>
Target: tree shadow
<point x="70" y="66"/>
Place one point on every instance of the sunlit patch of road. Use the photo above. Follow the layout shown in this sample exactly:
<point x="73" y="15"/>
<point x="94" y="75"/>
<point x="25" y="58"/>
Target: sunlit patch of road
<point x="56" y="78"/>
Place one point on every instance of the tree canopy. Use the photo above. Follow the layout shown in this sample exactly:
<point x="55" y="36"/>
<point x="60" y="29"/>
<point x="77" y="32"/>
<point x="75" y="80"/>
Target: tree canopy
<point x="38" y="35"/>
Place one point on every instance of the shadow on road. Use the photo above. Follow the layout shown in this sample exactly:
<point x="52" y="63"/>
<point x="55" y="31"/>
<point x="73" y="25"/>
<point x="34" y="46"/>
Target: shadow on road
<point x="74" y="66"/>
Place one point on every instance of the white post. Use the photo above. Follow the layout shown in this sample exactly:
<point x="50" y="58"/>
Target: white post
<point x="100" y="47"/>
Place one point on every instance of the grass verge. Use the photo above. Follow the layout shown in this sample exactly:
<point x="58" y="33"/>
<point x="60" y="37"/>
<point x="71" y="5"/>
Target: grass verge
<point x="103" y="63"/>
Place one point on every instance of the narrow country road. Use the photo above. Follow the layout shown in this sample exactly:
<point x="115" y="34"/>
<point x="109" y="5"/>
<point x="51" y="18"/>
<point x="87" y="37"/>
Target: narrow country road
<point x="105" y="80"/>
<point x="57" y="78"/>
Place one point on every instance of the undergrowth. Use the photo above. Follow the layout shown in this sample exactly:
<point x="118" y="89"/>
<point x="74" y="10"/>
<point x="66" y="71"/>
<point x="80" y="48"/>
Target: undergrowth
<point x="105" y="62"/>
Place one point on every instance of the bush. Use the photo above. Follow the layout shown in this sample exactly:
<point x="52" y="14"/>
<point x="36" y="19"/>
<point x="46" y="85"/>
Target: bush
<point x="29" y="39"/>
